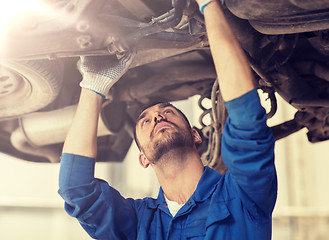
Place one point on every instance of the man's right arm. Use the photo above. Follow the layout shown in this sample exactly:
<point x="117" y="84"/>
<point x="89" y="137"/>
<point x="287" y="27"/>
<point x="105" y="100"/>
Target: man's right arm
<point x="99" y="75"/>
<point x="100" y="209"/>
<point x="82" y="136"/>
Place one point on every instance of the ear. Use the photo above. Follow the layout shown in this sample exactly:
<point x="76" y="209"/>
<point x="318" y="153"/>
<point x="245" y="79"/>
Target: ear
<point x="143" y="161"/>
<point x="196" y="136"/>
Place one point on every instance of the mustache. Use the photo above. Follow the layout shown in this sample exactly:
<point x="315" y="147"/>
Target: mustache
<point x="161" y="120"/>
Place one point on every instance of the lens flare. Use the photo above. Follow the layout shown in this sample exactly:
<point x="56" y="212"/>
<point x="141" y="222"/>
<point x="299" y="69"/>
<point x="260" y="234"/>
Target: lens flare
<point x="12" y="9"/>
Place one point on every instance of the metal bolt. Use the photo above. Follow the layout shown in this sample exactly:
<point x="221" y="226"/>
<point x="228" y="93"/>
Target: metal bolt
<point x="84" y="41"/>
<point x="82" y="26"/>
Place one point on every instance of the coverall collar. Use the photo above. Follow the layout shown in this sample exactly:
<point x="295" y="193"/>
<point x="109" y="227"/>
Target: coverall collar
<point x="205" y="188"/>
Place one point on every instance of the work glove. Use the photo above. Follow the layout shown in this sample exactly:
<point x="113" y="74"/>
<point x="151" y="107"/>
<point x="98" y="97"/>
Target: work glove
<point x="203" y="3"/>
<point x="100" y="73"/>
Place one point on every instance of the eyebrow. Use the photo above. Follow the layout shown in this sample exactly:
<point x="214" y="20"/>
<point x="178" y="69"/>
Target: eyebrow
<point x="141" y="116"/>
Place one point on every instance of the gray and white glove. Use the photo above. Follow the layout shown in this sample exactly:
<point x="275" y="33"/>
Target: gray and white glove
<point x="203" y="3"/>
<point x="100" y="73"/>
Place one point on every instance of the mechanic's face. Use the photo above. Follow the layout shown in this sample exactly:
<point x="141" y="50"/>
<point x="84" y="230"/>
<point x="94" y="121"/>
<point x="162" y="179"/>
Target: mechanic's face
<point x="160" y="129"/>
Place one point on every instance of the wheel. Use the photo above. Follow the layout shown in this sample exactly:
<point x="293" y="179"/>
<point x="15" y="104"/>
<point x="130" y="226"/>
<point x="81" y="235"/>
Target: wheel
<point x="27" y="86"/>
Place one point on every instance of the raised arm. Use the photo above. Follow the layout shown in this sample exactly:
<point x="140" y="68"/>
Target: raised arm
<point x="232" y="67"/>
<point x="100" y="209"/>
<point x="99" y="75"/>
<point x="247" y="141"/>
<point x="82" y="136"/>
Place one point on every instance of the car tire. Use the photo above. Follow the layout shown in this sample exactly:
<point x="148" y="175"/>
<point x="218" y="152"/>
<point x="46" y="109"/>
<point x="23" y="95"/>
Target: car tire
<point x="28" y="86"/>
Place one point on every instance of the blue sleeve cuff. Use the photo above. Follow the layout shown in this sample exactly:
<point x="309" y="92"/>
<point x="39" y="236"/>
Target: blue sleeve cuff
<point x="245" y="109"/>
<point x="202" y="7"/>
<point x="75" y="170"/>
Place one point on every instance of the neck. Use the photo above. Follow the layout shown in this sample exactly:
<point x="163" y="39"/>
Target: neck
<point x="179" y="172"/>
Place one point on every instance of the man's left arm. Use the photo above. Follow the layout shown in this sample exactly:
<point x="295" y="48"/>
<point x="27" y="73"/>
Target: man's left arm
<point x="248" y="152"/>
<point x="232" y="67"/>
<point x="248" y="144"/>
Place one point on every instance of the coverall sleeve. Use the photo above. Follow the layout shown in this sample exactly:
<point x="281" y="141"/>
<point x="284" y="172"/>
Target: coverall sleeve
<point x="248" y="152"/>
<point x="99" y="208"/>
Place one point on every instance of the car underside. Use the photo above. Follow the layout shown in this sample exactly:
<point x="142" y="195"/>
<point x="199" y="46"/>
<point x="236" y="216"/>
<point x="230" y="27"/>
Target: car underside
<point x="286" y="42"/>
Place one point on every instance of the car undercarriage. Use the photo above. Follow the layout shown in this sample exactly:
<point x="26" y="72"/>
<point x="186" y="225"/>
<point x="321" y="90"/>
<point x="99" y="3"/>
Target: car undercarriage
<point x="286" y="42"/>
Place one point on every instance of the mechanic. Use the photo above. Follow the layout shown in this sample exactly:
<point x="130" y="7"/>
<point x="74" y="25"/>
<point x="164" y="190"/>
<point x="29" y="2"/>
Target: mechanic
<point x="194" y="202"/>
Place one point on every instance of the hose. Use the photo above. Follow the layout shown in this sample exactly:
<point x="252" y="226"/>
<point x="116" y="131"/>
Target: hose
<point x="161" y="23"/>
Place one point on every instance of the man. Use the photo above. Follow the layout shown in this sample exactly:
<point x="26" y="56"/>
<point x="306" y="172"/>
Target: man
<point x="194" y="201"/>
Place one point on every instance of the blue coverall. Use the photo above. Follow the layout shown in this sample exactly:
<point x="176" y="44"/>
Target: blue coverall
<point x="237" y="205"/>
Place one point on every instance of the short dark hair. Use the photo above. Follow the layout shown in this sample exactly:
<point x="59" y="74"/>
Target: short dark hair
<point x="151" y="105"/>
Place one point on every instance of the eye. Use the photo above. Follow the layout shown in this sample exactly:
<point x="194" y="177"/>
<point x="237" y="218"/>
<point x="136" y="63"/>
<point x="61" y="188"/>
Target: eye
<point x="146" y="121"/>
<point x="168" y="111"/>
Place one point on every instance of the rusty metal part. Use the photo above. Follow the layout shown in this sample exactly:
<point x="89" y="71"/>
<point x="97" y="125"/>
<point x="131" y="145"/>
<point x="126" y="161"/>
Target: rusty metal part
<point x="213" y="132"/>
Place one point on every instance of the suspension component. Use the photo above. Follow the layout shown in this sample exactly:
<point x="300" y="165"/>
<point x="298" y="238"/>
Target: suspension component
<point x="213" y="132"/>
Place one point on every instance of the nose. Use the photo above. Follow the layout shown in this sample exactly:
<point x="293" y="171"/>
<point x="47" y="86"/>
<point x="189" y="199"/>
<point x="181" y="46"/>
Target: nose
<point x="158" y="116"/>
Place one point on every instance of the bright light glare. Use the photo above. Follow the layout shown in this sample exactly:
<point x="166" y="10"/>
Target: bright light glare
<point x="9" y="9"/>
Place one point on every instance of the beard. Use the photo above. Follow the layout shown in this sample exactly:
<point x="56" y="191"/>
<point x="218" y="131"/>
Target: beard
<point x="177" y="140"/>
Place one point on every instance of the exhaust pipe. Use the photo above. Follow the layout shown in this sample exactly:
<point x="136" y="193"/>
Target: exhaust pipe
<point x="38" y="131"/>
